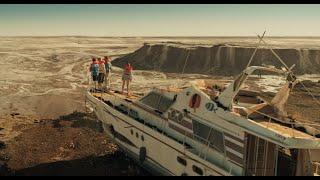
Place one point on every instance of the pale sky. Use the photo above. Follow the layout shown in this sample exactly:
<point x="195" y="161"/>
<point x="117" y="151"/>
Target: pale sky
<point x="160" y="20"/>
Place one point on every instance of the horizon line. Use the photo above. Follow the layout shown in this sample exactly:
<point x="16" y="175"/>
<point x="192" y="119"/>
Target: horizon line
<point x="182" y="36"/>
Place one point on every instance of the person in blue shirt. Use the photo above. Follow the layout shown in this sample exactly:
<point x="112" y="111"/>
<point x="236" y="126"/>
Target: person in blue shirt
<point x="94" y="69"/>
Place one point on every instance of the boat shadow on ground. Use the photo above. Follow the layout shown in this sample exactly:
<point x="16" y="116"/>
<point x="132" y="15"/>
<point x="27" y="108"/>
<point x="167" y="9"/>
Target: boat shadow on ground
<point x="117" y="164"/>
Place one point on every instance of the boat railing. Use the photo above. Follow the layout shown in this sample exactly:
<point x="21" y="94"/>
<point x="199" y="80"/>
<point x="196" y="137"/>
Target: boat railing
<point x="316" y="166"/>
<point x="292" y="124"/>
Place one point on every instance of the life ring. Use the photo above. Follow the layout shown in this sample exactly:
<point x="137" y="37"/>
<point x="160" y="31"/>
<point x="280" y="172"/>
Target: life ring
<point x="195" y="101"/>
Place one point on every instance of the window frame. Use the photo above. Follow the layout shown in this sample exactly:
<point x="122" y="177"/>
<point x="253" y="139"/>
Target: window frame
<point x="160" y="98"/>
<point x="211" y="132"/>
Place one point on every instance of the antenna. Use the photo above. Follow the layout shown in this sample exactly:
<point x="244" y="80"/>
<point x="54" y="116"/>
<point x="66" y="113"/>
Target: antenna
<point x="254" y="52"/>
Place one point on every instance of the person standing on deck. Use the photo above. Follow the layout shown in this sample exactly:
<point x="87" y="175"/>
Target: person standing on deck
<point x="127" y="77"/>
<point x="108" y="71"/>
<point x="102" y="72"/>
<point x="94" y="69"/>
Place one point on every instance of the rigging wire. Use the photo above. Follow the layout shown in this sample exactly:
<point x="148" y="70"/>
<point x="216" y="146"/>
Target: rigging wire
<point x="256" y="49"/>
<point x="314" y="98"/>
<point x="290" y="72"/>
<point x="185" y="62"/>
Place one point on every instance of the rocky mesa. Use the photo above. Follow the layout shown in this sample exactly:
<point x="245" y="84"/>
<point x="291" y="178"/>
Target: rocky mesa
<point x="217" y="59"/>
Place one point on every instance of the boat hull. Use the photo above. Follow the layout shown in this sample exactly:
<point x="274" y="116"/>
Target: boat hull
<point x="161" y="152"/>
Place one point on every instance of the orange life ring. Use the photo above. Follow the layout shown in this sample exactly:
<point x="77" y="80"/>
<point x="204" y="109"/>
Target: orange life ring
<point x="195" y="101"/>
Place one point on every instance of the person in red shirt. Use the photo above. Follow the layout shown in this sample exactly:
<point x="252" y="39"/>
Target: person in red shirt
<point x="127" y="77"/>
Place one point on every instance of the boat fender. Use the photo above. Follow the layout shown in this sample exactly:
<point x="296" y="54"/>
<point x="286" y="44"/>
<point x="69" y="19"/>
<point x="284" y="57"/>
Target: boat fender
<point x="142" y="154"/>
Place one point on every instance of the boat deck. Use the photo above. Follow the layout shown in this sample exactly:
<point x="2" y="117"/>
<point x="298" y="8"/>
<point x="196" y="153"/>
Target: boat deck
<point x="283" y="130"/>
<point x="118" y="94"/>
<point x="275" y="126"/>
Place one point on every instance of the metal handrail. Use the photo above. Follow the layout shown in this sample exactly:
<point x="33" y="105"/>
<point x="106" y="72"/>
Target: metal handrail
<point x="285" y="122"/>
<point x="290" y="123"/>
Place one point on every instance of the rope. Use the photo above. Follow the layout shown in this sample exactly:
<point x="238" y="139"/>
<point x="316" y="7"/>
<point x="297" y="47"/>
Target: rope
<point x="274" y="53"/>
<point x="185" y="63"/>
<point x="314" y="98"/>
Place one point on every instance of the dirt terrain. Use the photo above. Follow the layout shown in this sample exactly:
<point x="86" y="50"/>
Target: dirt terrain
<point x="71" y="145"/>
<point x="43" y="81"/>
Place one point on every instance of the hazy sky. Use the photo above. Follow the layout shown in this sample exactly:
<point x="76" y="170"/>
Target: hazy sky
<point x="160" y="20"/>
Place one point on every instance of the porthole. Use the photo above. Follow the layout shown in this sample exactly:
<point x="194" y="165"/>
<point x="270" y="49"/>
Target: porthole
<point x="131" y="131"/>
<point x="197" y="170"/>
<point x="182" y="161"/>
<point x="142" y="137"/>
<point x="137" y="135"/>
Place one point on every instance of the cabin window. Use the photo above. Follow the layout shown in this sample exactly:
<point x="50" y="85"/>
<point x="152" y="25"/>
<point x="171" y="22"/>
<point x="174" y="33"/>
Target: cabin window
<point x="152" y="100"/>
<point x="122" y="108"/>
<point x="142" y="138"/>
<point x="216" y="140"/>
<point x="182" y="161"/>
<point x="157" y="101"/>
<point x="197" y="170"/>
<point x="175" y="116"/>
<point x="109" y="103"/>
<point x="201" y="131"/>
<point x="164" y="104"/>
<point x="206" y="134"/>
<point x="134" y="114"/>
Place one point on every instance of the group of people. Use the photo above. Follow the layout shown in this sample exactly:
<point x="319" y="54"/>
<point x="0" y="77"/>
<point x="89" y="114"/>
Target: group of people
<point x="100" y="69"/>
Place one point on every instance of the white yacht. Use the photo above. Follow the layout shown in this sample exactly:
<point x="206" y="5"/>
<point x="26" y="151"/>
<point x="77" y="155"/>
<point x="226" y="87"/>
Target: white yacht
<point x="198" y="130"/>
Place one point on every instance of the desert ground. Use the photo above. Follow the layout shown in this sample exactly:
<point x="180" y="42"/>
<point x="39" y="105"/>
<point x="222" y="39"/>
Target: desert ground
<point x="43" y="80"/>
